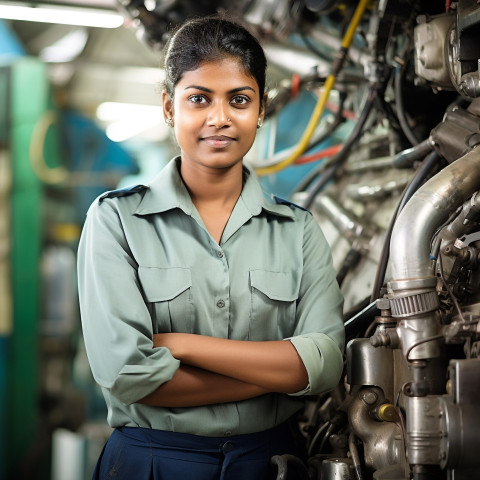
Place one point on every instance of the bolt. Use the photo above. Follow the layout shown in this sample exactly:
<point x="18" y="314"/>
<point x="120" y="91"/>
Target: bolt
<point x="369" y="397"/>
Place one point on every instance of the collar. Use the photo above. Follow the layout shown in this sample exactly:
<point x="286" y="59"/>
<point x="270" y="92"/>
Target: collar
<point x="167" y="191"/>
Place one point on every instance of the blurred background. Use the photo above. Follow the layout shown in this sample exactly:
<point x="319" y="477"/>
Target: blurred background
<point x="80" y="114"/>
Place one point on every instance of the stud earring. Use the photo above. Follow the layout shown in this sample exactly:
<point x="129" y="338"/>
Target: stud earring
<point x="259" y="123"/>
<point x="169" y="122"/>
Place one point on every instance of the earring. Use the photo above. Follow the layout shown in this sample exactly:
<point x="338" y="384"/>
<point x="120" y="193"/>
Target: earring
<point x="259" y="123"/>
<point x="169" y="122"/>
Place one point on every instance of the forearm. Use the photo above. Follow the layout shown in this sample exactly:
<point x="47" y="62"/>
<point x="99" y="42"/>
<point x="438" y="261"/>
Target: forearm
<point x="193" y="387"/>
<point x="273" y="365"/>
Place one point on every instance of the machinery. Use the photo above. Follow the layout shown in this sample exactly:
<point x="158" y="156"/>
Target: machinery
<point x="399" y="202"/>
<point x="383" y="97"/>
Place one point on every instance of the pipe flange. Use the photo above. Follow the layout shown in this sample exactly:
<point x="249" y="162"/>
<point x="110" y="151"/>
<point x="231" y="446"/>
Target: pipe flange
<point x="414" y="304"/>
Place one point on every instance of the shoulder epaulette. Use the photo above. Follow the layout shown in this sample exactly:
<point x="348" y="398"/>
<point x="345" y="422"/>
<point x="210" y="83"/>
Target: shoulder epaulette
<point x="282" y="201"/>
<point x="123" y="192"/>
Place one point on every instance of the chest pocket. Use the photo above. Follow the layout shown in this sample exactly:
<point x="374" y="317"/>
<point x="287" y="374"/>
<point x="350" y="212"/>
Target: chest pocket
<point x="273" y="304"/>
<point x="168" y="291"/>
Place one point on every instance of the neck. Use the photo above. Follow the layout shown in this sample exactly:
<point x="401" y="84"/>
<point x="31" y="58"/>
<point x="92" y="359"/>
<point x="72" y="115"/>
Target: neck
<point x="211" y="186"/>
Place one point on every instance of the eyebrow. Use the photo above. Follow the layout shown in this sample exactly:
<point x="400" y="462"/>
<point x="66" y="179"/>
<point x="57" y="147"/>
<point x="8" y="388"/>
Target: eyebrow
<point x="208" y="90"/>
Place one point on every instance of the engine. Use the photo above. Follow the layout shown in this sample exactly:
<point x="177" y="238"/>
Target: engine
<point x="399" y="203"/>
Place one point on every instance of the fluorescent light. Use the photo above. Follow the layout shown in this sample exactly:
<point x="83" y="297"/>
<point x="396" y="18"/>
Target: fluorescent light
<point x="108" y="111"/>
<point x="67" y="48"/>
<point x="127" y="120"/>
<point x="62" y="15"/>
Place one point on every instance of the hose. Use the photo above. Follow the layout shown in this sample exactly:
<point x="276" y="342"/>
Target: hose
<point x="342" y="156"/>
<point x="401" y="114"/>
<point x="418" y="179"/>
<point x="283" y="461"/>
<point x="350" y="261"/>
<point x="322" y="100"/>
<point x="406" y="158"/>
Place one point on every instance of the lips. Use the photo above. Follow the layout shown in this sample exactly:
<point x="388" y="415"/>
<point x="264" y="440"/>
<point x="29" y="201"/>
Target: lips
<point x="218" y="141"/>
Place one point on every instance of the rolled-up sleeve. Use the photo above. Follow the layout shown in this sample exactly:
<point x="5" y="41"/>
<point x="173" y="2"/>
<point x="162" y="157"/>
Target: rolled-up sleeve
<point x="116" y="322"/>
<point x="319" y="333"/>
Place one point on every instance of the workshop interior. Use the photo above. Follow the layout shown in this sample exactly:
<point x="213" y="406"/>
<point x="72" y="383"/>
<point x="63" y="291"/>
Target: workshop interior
<point x="372" y="124"/>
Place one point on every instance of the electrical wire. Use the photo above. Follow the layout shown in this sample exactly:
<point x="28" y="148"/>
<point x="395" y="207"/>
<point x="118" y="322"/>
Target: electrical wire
<point x="342" y="156"/>
<point x="449" y="290"/>
<point x="326" y="152"/>
<point x="322" y="100"/>
<point x="353" y="137"/>
<point x="420" y="342"/>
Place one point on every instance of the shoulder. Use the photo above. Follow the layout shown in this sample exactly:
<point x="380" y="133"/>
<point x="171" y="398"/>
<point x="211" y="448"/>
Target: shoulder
<point x="120" y="202"/>
<point x="123" y="192"/>
<point x="282" y="201"/>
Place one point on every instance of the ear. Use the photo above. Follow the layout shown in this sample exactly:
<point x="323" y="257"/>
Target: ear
<point x="167" y="105"/>
<point x="262" y="107"/>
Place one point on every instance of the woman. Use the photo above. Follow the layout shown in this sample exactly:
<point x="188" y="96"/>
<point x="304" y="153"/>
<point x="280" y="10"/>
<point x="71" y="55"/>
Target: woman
<point x="208" y="309"/>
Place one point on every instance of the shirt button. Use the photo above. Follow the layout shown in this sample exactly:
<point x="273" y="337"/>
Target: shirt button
<point x="219" y="254"/>
<point x="220" y="304"/>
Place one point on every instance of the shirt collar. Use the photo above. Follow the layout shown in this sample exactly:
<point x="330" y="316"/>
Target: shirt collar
<point x="167" y="191"/>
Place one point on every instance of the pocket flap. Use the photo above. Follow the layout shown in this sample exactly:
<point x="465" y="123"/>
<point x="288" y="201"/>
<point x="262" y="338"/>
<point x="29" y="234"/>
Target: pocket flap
<point x="282" y="286"/>
<point x="162" y="284"/>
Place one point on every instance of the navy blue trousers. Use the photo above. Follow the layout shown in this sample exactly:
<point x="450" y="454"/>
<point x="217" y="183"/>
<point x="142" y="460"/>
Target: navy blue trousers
<point x="146" y="454"/>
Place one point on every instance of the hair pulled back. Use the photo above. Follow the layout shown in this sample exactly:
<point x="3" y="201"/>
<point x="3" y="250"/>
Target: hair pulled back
<point x="210" y="39"/>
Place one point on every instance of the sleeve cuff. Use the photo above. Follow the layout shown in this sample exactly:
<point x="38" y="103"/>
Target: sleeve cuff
<point x="134" y="382"/>
<point x="323" y="361"/>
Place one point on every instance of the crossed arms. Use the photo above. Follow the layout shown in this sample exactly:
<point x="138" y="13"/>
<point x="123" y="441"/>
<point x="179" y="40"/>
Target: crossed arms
<point x="217" y="370"/>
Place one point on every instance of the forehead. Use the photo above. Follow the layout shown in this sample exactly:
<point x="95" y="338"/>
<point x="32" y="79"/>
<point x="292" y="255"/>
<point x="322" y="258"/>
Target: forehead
<point x="223" y="74"/>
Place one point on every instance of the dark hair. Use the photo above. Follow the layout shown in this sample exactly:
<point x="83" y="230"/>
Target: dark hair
<point x="209" y="39"/>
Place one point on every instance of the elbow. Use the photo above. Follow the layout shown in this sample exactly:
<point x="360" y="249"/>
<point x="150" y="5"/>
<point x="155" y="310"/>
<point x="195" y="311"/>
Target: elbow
<point x="295" y="381"/>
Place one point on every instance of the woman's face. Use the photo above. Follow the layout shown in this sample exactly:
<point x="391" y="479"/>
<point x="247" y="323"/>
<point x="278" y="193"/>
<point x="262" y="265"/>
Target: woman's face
<point x="215" y="111"/>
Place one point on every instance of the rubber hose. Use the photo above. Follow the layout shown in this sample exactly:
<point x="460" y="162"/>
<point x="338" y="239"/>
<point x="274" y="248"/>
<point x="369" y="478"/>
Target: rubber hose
<point x="342" y="156"/>
<point x="406" y="158"/>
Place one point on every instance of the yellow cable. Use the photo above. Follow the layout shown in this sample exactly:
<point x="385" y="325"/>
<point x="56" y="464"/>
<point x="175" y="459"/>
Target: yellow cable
<point x="320" y="106"/>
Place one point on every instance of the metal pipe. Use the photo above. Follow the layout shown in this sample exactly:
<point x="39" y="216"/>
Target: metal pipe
<point x="346" y="222"/>
<point x="429" y="208"/>
<point x="295" y="59"/>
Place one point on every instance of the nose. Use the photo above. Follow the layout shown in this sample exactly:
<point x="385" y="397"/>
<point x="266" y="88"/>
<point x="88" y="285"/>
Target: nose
<point x="218" y="115"/>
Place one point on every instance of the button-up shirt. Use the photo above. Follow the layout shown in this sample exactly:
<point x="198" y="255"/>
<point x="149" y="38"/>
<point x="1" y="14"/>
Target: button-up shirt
<point x="147" y="264"/>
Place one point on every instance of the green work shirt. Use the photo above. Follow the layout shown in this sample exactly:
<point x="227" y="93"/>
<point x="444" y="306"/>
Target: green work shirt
<point x="147" y="264"/>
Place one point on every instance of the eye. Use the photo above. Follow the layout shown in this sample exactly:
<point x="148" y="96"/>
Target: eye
<point x="240" y="100"/>
<point x="197" y="99"/>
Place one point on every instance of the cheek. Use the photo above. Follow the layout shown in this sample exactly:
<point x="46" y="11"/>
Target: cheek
<point x="186" y="127"/>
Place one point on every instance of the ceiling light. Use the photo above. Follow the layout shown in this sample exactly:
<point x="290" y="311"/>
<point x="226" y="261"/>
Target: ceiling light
<point x="67" y="48"/>
<point x="108" y="111"/>
<point x="127" y="120"/>
<point x="62" y="15"/>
